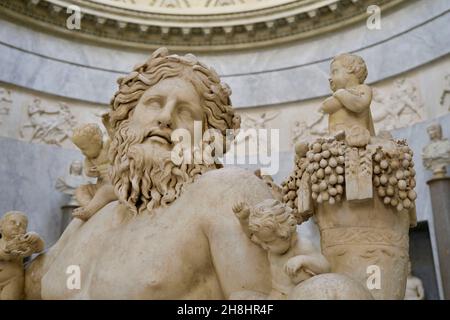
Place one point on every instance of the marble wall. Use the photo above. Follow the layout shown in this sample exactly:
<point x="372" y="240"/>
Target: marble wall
<point x="28" y="173"/>
<point x="413" y="35"/>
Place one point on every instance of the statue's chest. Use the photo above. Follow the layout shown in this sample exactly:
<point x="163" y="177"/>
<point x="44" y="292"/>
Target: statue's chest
<point x="140" y="258"/>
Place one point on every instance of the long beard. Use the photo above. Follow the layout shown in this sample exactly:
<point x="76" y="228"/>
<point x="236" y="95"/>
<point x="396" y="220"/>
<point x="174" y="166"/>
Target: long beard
<point x="143" y="174"/>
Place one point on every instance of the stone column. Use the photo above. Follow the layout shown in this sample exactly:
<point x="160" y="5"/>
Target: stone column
<point x="66" y="215"/>
<point x="440" y="201"/>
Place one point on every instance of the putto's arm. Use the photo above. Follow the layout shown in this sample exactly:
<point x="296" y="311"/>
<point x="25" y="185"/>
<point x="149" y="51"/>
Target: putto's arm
<point x="356" y="100"/>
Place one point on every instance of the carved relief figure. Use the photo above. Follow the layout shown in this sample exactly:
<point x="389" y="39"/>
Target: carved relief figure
<point x="398" y="108"/>
<point x="292" y="259"/>
<point x="5" y="103"/>
<point x="51" y="126"/>
<point x="303" y="131"/>
<point x="72" y="181"/>
<point x="92" y="197"/>
<point x="414" y="287"/>
<point x="436" y="155"/>
<point x="250" y="125"/>
<point x="446" y="91"/>
<point x="15" y="245"/>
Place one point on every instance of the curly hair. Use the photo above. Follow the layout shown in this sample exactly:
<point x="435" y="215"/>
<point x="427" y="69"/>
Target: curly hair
<point x="89" y="131"/>
<point x="354" y="64"/>
<point x="214" y="94"/>
<point x="9" y="214"/>
<point x="273" y="216"/>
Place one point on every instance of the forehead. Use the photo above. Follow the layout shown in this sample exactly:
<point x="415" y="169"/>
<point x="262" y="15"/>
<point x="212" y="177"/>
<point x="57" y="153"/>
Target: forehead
<point x="15" y="216"/>
<point x="177" y="87"/>
<point x="266" y="234"/>
<point x="336" y="64"/>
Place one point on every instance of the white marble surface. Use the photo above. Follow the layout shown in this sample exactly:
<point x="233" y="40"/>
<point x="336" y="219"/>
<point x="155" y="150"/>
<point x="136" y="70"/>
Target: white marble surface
<point x="412" y="36"/>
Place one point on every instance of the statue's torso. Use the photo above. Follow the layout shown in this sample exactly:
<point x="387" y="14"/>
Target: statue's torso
<point x="193" y="249"/>
<point x="143" y="257"/>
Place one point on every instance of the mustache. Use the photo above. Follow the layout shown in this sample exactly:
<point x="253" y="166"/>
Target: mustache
<point x="158" y="132"/>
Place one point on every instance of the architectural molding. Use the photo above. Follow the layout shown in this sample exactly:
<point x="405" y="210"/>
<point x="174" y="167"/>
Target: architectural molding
<point x="193" y="25"/>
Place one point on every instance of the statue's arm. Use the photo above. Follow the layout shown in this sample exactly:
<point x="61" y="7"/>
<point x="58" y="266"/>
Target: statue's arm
<point x="312" y="259"/>
<point x="38" y="267"/>
<point x="5" y="255"/>
<point x="356" y="100"/>
<point x="240" y="264"/>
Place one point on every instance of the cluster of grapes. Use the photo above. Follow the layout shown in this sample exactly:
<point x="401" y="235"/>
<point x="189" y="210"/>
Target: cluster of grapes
<point x="326" y="166"/>
<point x="393" y="174"/>
<point x="290" y="186"/>
<point x="393" y="177"/>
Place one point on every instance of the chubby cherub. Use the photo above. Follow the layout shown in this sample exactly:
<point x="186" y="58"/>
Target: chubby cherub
<point x="349" y="105"/>
<point x="271" y="225"/>
<point x="15" y="245"/>
<point x="92" y="197"/>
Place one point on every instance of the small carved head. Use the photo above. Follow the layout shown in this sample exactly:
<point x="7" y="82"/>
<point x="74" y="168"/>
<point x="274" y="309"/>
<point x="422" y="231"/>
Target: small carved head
<point x="89" y="139"/>
<point x="272" y="226"/>
<point x="76" y="168"/>
<point x="13" y="223"/>
<point x="435" y="132"/>
<point x="347" y="67"/>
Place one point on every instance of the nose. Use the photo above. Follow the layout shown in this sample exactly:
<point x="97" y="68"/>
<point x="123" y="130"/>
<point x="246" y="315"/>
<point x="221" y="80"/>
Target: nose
<point x="164" y="118"/>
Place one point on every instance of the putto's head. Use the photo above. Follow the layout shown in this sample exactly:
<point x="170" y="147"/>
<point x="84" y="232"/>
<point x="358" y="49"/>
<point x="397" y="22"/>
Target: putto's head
<point x="164" y="94"/>
<point x="13" y="223"/>
<point x="347" y="69"/>
<point x="89" y="139"/>
<point x="273" y="226"/>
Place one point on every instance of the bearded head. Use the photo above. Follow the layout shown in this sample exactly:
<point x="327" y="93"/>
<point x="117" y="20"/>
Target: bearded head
<point x="166" y="93"/>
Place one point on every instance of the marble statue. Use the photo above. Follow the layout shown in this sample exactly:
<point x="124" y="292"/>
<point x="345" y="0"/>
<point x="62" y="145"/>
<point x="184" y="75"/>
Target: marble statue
<point x="72" y="181"/>
<point x="436" y="155"/>
<point x="350" y="103"/>
<point x="414" y="287"/>
<point x="197" y="230"/>
<point x="172" y="233"/>
<point x="358" y="187"/>
<point x="15" y="245"/>
<point x="92" y="197"/>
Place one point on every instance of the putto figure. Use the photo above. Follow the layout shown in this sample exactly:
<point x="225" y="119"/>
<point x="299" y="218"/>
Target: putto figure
<point x="350" y="103"/>
<point x="15" y="245"/>
<point x="92" y="197"/>
<point x="292" y="259"/>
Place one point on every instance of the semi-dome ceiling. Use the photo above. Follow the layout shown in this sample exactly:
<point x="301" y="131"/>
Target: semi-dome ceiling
<point x="193" y="25"/>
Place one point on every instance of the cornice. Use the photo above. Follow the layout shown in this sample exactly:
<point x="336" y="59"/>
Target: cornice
<point x="193" y="30"/>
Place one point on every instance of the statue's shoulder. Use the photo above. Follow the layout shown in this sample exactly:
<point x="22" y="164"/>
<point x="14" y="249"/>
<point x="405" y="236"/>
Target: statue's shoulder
<point x="229" y="175"/>
<point x="233" y="180"/>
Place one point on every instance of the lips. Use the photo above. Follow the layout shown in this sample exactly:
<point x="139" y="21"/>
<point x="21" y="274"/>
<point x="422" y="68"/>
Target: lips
<point x="160" y="136"/>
